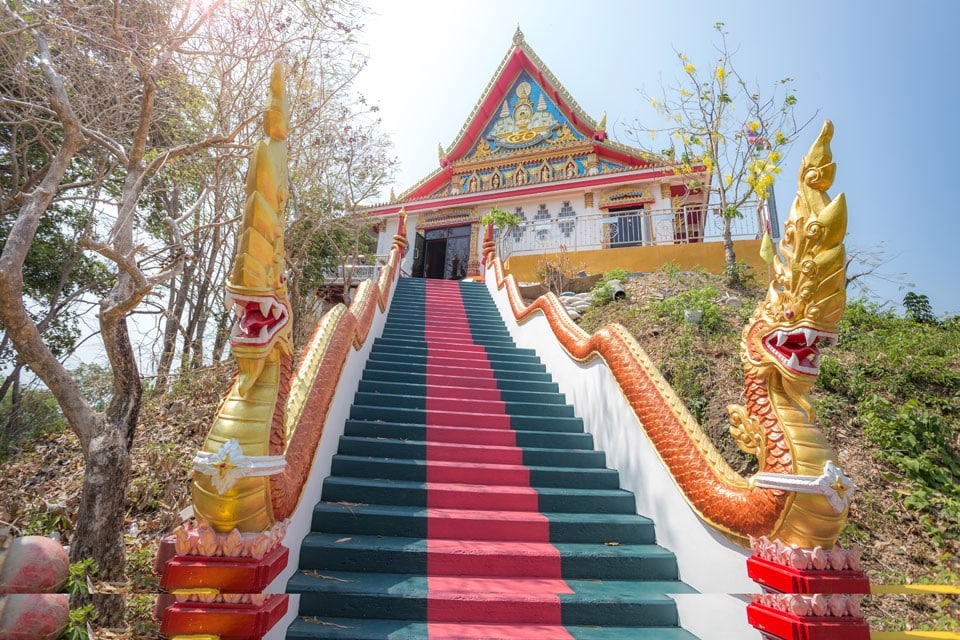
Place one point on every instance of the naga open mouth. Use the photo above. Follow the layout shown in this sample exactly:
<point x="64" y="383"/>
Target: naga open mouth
<point x="260" y="319"/>
<point x="798" y="349"/>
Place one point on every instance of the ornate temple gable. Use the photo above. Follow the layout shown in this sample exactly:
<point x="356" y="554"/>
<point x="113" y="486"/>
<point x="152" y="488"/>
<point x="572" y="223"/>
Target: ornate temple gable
<point x="527" y="119"/>
<point x="526" y="130"/>
<point x="520" y="65"/>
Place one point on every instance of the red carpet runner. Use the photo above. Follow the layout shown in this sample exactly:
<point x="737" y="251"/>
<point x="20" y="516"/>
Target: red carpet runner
<point x="475" y="474"/>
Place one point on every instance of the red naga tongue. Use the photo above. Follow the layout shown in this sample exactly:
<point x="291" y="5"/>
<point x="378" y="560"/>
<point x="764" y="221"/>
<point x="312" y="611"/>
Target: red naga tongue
<point x="252" y="320"/>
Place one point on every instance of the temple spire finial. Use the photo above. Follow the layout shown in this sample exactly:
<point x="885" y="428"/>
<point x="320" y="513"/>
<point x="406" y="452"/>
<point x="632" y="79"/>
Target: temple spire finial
<point x="440" y="152"/>
<point x="518" y="36"/>
<point x="602" y="125"/>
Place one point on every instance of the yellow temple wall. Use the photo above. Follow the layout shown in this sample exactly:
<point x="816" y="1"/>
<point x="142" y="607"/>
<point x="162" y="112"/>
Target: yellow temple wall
<point x="703" y="255"/>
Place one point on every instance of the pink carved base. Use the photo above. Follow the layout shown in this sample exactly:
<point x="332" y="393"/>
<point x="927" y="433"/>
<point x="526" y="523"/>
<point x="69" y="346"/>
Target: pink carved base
<point x="809" y="594"/>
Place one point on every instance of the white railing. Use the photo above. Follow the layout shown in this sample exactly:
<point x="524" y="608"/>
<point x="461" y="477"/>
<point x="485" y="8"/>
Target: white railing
<point x="629" y="229"/>
<point x="356" y="272"/>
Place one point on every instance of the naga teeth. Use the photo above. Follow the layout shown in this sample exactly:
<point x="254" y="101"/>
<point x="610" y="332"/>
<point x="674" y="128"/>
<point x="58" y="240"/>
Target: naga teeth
<point x="264" y="333"/>
<point x="793" y="362"/>
<point x="277" y="311"/>
<point x="265" y="308"/>
<point x="810" y="335"/>
<point x="781" y="338"/>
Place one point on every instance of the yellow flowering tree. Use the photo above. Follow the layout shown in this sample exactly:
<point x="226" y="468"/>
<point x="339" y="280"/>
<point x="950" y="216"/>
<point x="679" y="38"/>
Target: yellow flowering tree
<point x="724" y="136"/>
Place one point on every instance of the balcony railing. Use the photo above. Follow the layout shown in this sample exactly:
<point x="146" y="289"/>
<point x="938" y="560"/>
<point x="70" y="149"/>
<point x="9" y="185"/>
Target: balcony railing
<point x="629" y="229"/>
<point x="357" y="272"/>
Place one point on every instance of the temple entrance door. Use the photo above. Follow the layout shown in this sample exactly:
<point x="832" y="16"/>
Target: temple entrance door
<point x="434" y="256"/>
<point x="419" y="253"/>
<point x="446" y="253"/>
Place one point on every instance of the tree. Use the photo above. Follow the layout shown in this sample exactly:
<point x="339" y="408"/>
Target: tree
<point x="139" y="158"/>
<point x="724" y="136"/>
<point x="156" y="165"/>
<point x="919" y="308"/>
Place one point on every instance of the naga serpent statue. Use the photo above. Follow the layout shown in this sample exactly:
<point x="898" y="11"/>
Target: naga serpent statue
<point x="256" y="458"/>
<point x="799" y="495"/>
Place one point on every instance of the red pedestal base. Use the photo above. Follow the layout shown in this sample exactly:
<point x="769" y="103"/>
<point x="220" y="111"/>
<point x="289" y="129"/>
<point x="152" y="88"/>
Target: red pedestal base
<point x="778" y="577"/>
<point x="227" y="575"/>
<point x="229" y="621"/>
<point x="786" y="626"/>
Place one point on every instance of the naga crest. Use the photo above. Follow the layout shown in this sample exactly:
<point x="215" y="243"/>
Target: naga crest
<point x="257" y="287"/>
<point x="806" y="296"/>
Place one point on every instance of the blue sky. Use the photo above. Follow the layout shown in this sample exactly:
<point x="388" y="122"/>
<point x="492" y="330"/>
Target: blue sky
<point x="885" y="75"/>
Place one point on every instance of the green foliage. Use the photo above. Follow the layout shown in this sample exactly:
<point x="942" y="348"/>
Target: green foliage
<point x="919" y="442"/>
<point x="919" y="308"/>
<point x="44" y="522"/>
<point x="701" y="299"/>
<point x="686" y="369"/>
<point x="77" y="583"/>
<point x="54" y="270"/>
<point x="501" y="219"/>
<point x="78" y="622"/>
<point x="902" y="378"/>
<point x="602" y="291"/>
<point x="671" y="270"/>
<point x="740" y="275"/>
<point x="37" y="415"/>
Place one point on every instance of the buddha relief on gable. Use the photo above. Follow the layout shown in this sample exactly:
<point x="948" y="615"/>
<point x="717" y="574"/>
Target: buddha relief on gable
<point x="527" y="118"/>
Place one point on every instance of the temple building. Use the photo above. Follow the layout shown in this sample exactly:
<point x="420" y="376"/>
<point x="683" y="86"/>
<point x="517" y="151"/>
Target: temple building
<point x="528" y="148"/>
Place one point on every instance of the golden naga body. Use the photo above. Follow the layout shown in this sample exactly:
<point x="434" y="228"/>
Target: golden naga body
<point x="252" y="468"/>
<point x="799" y="496"/>
<point x="780" y="350"/>
<point x="252" y="412"/>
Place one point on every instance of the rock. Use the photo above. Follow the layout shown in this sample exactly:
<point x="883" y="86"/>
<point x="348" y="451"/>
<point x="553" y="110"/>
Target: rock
<point x="33" y="564"/>
<point x="573" y="313"/>
<point x="35" y="616"/>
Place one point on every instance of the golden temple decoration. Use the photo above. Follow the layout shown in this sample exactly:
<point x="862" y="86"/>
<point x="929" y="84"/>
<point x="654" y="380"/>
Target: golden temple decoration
<point x="258" y="453"/>
<point x="630" y="194"/>
<point x="564" y="135"/>
<point x="483" y="150"/>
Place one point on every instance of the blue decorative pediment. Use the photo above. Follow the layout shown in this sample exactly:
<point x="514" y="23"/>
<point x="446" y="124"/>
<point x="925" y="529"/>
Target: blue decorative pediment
<point x="527" y="118"/>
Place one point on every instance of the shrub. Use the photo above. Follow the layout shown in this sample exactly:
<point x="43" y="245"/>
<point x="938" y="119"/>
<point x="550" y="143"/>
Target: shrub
<point x="697" y="299"/>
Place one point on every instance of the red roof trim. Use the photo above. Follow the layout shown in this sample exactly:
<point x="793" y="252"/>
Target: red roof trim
<point x="467" y="199"/>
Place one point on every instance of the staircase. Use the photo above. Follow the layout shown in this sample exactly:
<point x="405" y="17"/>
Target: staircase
<point x="466" y="502"/>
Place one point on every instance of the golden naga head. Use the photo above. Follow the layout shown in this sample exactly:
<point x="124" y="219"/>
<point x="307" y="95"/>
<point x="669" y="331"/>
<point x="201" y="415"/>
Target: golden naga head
<point x="257" y="287"/>
<point x="807" y="294"/>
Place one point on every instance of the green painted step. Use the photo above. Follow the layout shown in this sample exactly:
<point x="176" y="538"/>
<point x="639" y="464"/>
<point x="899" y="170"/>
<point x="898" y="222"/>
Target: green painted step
<point x="376" y="629"/>
<point x="397" y="469"/>
<point x="413" y="450"/>
<point x="469" y="406"/>
<point x="363" y="566"/>
<point x="401" y="431"/>
<point x="466" y="418"/>
<point x="411" y="522"/>
<point x="389" y="373"/>
<point x="401" y="327"/>
<point x="417" y="344"/>
<point x="593" y="602"/>
<point x="420" y="389"/>
<point x="400" y="354"/>
<point x="413" y="494"/>
<point x="363" y="554"/>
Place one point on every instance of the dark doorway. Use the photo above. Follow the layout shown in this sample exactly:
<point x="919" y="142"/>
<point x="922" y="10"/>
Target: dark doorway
<point x="446" y="253"/>
<point x="418" y="255"/>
